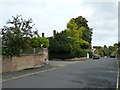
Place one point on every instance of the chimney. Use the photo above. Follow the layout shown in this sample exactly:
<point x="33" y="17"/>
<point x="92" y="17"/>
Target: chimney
<point x="54" y="33"/>
<point x="43" y="35"/>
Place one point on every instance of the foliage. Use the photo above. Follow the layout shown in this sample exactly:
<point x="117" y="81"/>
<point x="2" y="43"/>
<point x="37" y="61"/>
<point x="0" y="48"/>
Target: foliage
<point x="90" y="54"/>
<point x="97" y="47"/>
<point x="106" y="51"/>
<point x="118" y="50"/>
<point x="34" y="42"/>
<point x="65" y="48"/>
<point x="99" y="52"/>
<point x="16" y="36"/>
<point x="58" y="48"/>
<point x="85" y="33"/>
<point x="39" y="42"/>
<point x="69" y="42"/>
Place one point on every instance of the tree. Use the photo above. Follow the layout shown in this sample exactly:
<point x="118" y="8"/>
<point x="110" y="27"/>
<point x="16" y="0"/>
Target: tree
<point x="16" y="36"/>
<point x="106" y="50"/>
<point x="98" y="50"/>
<point x="40" y="42"/>
<point x="97" y="47"/>
<point x="67" y="44"/>
<point x="85" y="33"/>
<point x="70" y="43"/>
<point x="114" y="48"/>
<point x="34" y="42"/>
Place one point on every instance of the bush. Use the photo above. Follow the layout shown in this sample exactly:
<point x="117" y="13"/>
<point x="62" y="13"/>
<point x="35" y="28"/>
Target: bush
<point x="39" y="42"/>
<point x="90" y="53"/>
<point x="53" y="55"/>
<point x="80" y="53"/>
<point x="68" y="55"/>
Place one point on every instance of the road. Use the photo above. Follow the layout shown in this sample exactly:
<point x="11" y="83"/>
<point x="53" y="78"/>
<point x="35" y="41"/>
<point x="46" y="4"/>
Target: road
<point x="97" y="73"/>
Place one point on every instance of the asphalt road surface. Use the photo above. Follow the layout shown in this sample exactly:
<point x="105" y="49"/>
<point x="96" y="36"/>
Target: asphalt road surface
<point x="93" y="73"/>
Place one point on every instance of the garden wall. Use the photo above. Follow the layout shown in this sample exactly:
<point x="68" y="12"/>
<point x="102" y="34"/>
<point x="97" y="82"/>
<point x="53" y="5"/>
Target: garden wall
<point x="24" y="62"/>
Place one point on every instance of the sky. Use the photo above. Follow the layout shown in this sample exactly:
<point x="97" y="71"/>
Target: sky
<point x="49" y="15"/>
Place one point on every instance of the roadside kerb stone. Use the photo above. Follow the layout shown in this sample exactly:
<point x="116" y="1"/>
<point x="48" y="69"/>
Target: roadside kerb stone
<point x="73" y="59"/>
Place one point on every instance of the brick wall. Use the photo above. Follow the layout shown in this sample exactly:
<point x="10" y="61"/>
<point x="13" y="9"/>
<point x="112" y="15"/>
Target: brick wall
<point x="23" y="62"/>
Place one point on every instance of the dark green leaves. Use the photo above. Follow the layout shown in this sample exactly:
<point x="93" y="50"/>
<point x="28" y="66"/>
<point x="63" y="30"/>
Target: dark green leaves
<point x="72" y="41"/>
<point x="16" y="36"/>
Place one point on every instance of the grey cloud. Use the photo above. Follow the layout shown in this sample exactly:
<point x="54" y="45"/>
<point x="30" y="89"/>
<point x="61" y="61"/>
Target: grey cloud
<point x="104" y="22"/>
<point x="54" y="14"/>
<point x="119" y="21"/>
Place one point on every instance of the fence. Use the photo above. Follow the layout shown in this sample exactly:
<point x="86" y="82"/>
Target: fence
<point x="30" y="50"/>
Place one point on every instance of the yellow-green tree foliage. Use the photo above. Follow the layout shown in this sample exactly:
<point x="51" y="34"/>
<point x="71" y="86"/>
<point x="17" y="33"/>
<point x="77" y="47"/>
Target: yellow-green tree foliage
<point x="78" y="29"/>
<point x="72" y="41"/>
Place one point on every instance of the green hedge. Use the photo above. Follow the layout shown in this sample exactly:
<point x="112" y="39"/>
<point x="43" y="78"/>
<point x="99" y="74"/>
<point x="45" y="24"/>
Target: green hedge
<point x="68" y="55"/>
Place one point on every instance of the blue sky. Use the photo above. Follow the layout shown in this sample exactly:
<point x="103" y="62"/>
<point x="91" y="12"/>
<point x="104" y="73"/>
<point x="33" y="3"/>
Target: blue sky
<point x="49" y="15"/>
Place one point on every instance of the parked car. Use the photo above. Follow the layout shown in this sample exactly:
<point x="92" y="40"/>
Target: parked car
<point x="96" y="56"/>
<point x="112" y="55"/>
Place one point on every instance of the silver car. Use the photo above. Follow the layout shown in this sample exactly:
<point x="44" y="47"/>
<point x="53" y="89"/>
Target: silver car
<point x="96" y="56"/>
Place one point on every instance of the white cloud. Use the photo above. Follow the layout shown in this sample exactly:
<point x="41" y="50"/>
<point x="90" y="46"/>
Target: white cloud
<point x="86" y="12"/>
<point x="55" y="14"/>
<point x="101" y="0"/>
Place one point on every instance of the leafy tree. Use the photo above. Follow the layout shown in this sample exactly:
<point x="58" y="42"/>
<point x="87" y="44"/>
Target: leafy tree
<point x="39" y="42"/>
<point x="97" y="47"/>
<point x="106" y="51"/>
<point x="34" y="42"/>
<point x="113" y="49"/>
<point x="85" y="33"/>
<point x="118" y="51"/>
<point x="70" y="43"/>
<point x="67" y="44"/>
<point x="16" y="35"/>
<point x="98" y="50"/>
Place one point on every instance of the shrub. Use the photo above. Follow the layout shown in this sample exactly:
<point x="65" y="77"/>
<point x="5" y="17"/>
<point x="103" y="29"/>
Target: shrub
<point x="39" y="42"/>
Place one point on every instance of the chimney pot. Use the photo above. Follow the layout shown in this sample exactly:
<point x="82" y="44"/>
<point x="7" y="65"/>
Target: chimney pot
<point x="54" y="33"/>
<point x="43" y="35"/>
